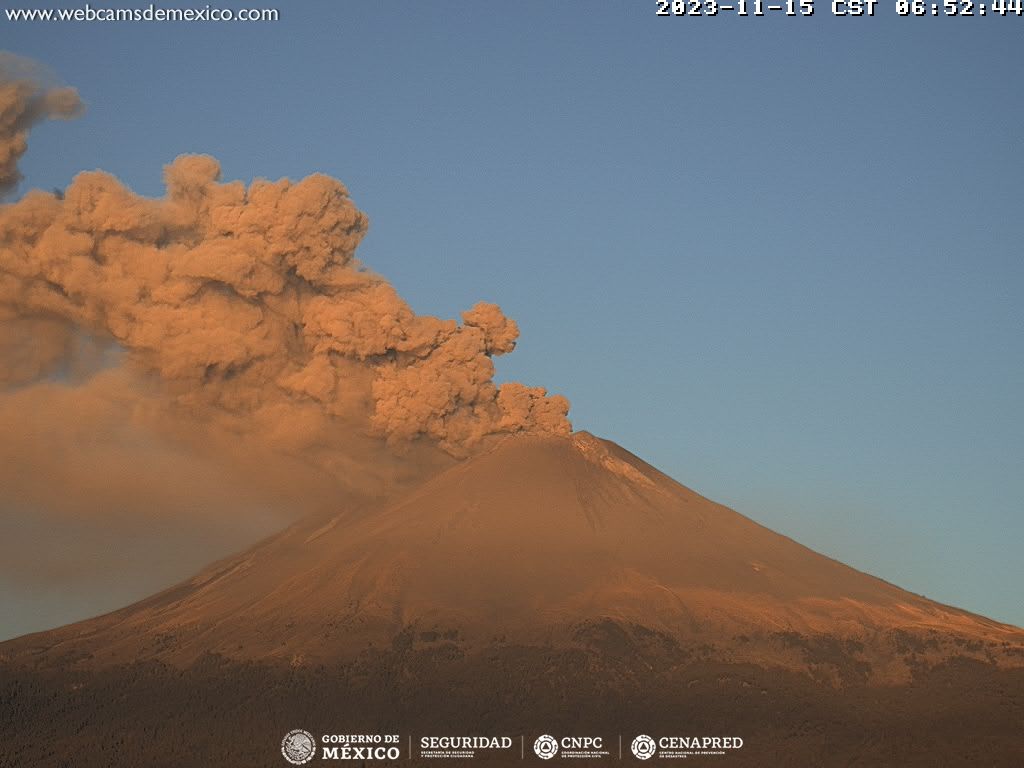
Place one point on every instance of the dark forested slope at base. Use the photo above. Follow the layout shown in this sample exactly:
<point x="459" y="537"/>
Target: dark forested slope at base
<point x="224" y="713"/>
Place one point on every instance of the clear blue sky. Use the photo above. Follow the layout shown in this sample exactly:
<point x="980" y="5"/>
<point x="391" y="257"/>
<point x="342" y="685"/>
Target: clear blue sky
<point x="779" y="258"/>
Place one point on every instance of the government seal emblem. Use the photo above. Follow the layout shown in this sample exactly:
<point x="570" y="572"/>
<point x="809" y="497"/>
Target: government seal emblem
<point x="298" y="747"/>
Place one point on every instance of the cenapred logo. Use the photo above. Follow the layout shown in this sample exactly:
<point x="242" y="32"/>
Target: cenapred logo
<point x="298" y="747"/>
<point x="643" y="747"/>
<point x="546" y="747"/>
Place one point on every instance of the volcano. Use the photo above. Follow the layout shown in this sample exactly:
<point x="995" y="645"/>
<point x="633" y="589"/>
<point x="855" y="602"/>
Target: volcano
<point x="544" y="584"/>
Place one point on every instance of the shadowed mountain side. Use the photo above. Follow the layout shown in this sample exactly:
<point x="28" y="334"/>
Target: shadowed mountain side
<point x="537" y="542"/>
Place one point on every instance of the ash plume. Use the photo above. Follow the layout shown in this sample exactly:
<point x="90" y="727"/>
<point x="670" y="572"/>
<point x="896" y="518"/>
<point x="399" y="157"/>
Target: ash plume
<point x="26" y="99"/>
<point x="250" y="300"/>
<point x="221" y="325"/>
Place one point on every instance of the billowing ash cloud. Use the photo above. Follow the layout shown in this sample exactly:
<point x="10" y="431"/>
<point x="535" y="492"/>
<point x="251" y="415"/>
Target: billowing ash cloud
<point x="251" y="300"/>
<point x="24" y="101"/>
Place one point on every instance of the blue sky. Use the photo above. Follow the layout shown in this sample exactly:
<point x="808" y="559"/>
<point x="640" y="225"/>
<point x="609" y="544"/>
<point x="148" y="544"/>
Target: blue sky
<point x="779" y="258"/>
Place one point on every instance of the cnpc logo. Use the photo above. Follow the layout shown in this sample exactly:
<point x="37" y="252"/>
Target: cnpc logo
<point x="547" y="746"/>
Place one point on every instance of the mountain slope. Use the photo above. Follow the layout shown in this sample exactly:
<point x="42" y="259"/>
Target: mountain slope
<point x="536" y="541"/>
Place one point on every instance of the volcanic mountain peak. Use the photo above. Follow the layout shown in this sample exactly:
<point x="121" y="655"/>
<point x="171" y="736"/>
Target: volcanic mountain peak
<point x="597" y="451"/>
<point x="536" y="541"/>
